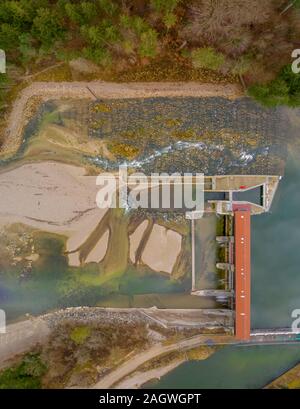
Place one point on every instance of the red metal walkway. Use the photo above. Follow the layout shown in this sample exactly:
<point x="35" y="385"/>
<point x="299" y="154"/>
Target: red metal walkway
<point x="242" y="233"/>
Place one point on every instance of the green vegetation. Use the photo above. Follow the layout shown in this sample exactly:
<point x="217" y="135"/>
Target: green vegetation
<point x="3" y="85"/>
<point x="77" y="363"/>
<point x="207" y="57"/>
<point x="26" y="375"/>
<point x="296" y="3"/>
<point x="284" y="90"/>
<point x="294" y="384"/>
<point x="101" y="108"/>
<point x="123" y="150"/>
<point x="73" y="355"/>
<point x="175" y="39"/>
<point x="166" y="10"/>
<point x="80" y="334"/>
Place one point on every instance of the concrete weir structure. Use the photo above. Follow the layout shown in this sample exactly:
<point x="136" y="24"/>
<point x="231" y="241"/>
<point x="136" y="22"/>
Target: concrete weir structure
<point x="236" y="197"/>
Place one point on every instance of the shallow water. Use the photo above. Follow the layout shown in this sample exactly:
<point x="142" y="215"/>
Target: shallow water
<point x="276" y="256"/>
<point x="233" y="367"/>
<point x="209" y="135"/>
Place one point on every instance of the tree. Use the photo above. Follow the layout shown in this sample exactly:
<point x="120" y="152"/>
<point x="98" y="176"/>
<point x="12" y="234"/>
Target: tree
<point x="47" y="27"/>
<point x="148" y="46"/>
<point x="135" y="23"/>
<point x="108" y="7"/>
<point x="164" y="6"/>
<point x="99" y="55"/>
<point x="82" y="13"/>
<point x="9" y="37"/>
<point x="73" y="13"/>
<point x="284" y="90"/>
<point x="25" y="47"/>
<point x="105" y="34"/>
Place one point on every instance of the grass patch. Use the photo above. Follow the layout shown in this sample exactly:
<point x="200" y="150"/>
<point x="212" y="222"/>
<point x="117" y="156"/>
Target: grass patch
<point x="80" y="334"/>
<point x="294" y="384"/>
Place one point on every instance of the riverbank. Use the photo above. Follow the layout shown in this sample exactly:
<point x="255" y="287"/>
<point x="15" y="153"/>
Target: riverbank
<point x="289" y="380"/>
<point x="23" y="107"/>
<point x="157" y="332"/>
<point x="160" y="366"/>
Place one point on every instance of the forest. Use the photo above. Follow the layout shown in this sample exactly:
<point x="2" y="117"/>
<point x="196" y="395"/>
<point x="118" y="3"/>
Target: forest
<point x="236" y="40"/>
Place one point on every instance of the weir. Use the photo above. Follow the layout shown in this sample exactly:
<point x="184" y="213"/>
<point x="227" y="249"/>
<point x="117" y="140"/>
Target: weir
<point x="236" y="198"/>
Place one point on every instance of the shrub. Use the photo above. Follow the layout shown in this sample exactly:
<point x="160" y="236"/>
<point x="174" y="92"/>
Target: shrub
<point x="148" y="46"/>
<point x="207" y="57"/>
<point x="135" y="23"/>
<point x="26" y="375"/>
<point x="108" y="7"/>
<point x="9" y="37"/>
<point x="284" y="90"/>
<point x="47" y="27"/>
<point x="169" y="20"/>
<point x="99" y="55"/>
<point x="164" y="6"/>
<point x="296" y="4"/>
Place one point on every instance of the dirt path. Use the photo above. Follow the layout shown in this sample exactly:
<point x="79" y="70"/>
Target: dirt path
<point x="20" y="113"/>
<point x="140" y="378"/>
<point x="130" y="366"/>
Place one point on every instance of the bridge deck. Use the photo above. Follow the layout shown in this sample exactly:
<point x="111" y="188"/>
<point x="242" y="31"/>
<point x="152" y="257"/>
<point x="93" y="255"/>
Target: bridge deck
<point x="242" y="217"/>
